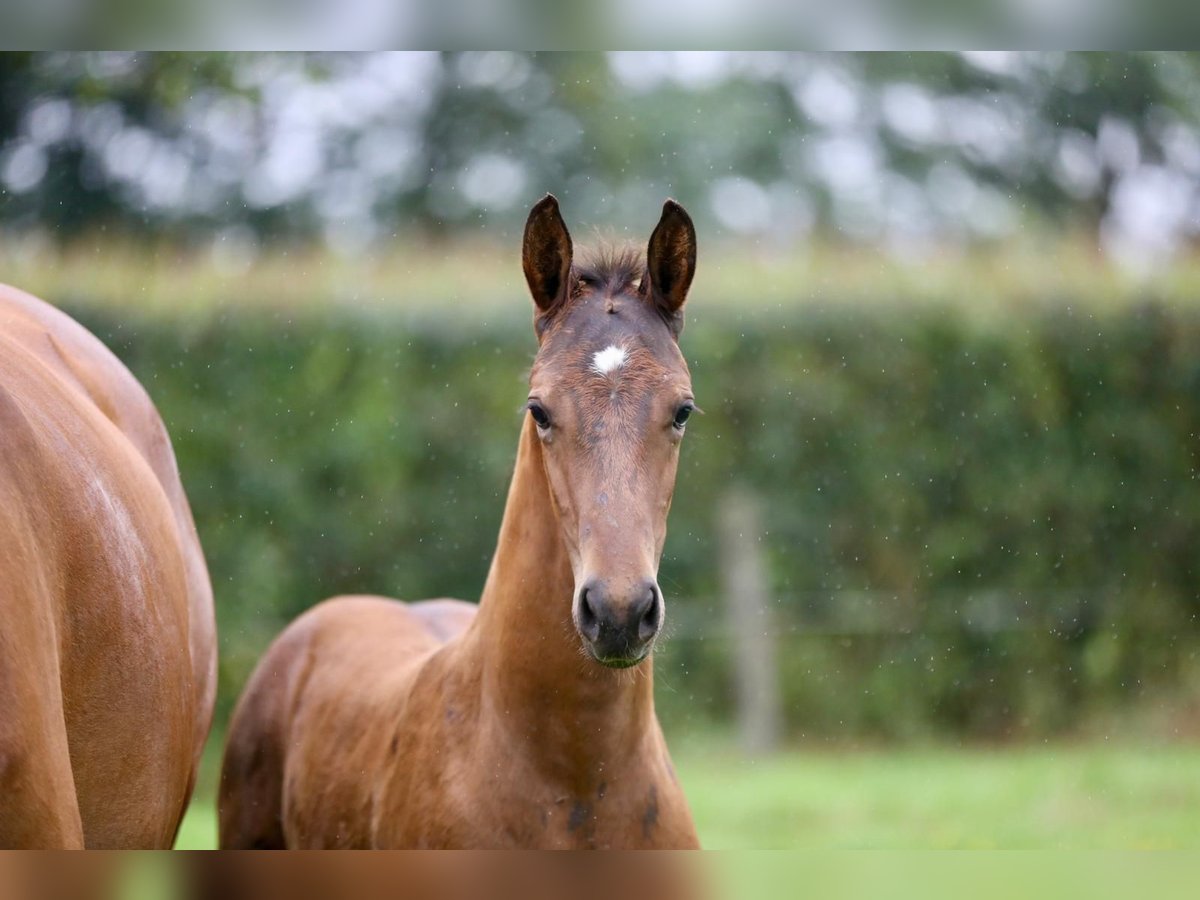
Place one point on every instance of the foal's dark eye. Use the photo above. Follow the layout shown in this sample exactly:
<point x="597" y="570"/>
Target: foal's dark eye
<point x="539" y="416"/>
<point x="681" y="416"/>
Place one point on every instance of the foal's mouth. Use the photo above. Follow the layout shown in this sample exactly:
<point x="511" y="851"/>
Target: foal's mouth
<point x="621" y="662"/>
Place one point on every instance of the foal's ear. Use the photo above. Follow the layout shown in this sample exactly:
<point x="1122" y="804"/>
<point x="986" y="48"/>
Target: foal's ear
<point x="671" y="262"/>
<point x="546" y="255"/>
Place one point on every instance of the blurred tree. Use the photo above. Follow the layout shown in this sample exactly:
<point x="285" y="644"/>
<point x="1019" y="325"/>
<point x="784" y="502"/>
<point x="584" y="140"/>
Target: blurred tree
<point x="80" y="133"/>
<point x="888" y="148"/>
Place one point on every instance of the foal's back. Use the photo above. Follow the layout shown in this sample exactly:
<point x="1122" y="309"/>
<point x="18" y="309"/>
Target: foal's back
<point x="321" y="714"/>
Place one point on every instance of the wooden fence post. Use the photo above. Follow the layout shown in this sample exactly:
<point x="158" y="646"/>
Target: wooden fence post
<point x="745" y="584"/>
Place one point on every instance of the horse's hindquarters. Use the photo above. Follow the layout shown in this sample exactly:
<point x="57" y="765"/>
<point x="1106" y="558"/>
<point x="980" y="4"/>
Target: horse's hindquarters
<point x="94" y="614"/>
<point x="132" y="757"/>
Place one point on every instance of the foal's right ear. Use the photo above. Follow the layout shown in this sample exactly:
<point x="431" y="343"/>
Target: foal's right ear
<point x="546" y="255"/>
<point x="671" y="263"/>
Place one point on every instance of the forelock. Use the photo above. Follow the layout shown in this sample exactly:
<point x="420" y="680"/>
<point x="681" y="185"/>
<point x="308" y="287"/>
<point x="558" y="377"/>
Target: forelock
<point x="609" y="269"/>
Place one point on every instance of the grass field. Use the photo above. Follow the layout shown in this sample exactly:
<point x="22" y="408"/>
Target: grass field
<point x="1077" y="797"/>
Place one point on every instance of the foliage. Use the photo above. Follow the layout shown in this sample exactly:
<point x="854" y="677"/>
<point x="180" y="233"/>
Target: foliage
<point x="974" y="526"/>
<point x="898" y="148"/>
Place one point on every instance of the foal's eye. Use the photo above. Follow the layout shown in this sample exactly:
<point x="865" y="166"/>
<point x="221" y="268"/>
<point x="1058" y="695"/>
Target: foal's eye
<point x="681" y="416"/>
<point x="539" y="416"/>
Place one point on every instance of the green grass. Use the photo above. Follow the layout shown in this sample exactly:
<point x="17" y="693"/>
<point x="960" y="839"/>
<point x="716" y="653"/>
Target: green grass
<point x="198" y="831"/>
<point x="1078" y="797"/>
<point x="1085" y="797"/>
<point x="199" y="828"/>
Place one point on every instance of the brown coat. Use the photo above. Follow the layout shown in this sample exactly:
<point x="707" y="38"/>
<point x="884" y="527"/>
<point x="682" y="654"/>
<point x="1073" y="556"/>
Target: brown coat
<point x="107" y="638"/>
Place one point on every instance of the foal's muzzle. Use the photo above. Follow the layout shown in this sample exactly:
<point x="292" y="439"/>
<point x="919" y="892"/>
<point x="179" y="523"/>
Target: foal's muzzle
<point x="619" y="628"/>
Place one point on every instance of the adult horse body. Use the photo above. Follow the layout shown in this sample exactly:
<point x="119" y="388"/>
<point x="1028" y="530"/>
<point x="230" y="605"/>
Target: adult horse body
<point x="107" y="638"/>
<point x="374" y="723"/>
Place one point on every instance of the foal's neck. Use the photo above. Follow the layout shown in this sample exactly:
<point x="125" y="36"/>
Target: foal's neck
<point x="575" y="713"/>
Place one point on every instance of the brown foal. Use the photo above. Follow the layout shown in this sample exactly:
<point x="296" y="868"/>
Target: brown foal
<point x="107" y="640"/>
<point x="530" y="722"/>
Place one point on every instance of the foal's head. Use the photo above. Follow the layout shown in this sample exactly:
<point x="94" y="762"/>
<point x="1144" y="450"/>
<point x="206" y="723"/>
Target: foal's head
<point x="610" y="396"/>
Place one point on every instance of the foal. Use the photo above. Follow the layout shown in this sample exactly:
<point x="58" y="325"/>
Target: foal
<point x="374" y="723"/>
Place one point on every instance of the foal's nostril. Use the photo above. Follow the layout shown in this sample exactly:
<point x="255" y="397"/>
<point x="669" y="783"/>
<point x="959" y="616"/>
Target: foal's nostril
<point x="618" y="630"/>
<point x="589" y="622"/>
<point x="651" y="617"/>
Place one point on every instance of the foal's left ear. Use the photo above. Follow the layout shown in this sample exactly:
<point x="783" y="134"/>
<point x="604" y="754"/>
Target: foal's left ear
<point x="671" y="263"/>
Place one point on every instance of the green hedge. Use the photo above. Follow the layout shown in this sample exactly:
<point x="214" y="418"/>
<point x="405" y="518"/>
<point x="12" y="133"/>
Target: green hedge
<point x="974" y="527"/>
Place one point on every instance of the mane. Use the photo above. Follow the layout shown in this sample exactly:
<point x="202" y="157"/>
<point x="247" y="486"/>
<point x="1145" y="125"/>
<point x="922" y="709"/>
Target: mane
<point x="610" y="269"/>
